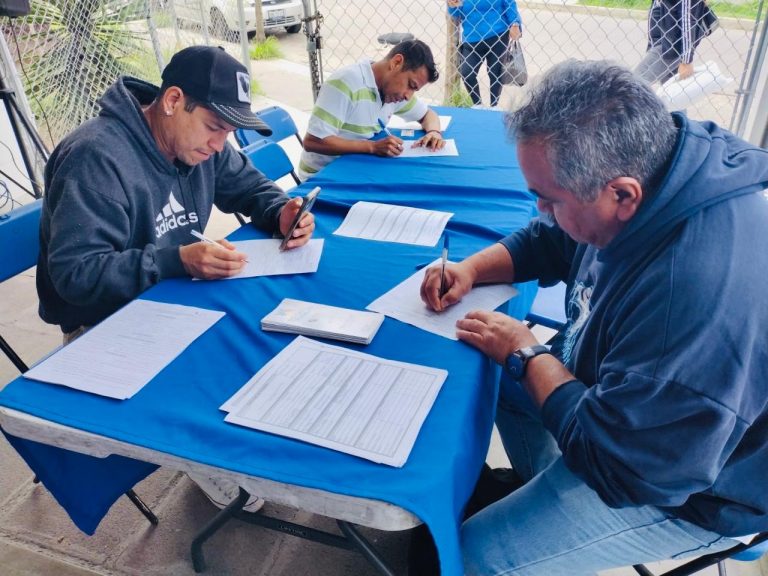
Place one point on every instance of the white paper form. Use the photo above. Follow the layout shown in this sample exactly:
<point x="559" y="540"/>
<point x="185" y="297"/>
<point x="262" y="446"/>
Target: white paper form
<point x="404" y="303"/>
<point x="266" y="259"/>
<point x="119" y="356"/>
<point x="411" y="151"/>
<point x="392" y="223"/>
<point x="398" y="123"/>
<point x="340" y="399"/>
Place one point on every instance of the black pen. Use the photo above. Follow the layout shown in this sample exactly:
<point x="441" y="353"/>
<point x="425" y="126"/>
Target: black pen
<point x="444" y="260"/>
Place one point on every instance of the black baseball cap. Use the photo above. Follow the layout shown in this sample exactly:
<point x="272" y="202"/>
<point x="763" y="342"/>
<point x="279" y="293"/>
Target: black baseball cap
<point x="218" y="81"/>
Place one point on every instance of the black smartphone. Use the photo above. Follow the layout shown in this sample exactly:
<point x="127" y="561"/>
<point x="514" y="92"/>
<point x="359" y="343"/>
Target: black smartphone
<point x="306" y="205"/>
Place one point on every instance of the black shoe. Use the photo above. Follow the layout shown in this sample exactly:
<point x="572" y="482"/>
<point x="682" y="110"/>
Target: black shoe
<point x="493" y="485"/>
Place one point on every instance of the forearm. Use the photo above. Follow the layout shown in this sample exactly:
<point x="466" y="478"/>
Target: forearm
<point x="543" y="375"/>
<point x="430" y="122"/>
<point x="336" y="145"/>
<point x="491" y="265"/>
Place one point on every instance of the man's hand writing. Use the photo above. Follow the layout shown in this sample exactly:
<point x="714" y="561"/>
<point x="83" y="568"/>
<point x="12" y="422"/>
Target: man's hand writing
<point x="458" y="281"/>
<point x="303" y="231"/>
<point x="389" y="146"/>
<point x="211" y="261"/>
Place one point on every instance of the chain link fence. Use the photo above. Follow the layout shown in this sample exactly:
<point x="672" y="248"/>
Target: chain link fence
<point x="67" y="52"/>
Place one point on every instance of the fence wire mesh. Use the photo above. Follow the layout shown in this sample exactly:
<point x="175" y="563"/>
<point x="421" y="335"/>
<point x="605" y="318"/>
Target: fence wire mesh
<point x="68" y="51"/>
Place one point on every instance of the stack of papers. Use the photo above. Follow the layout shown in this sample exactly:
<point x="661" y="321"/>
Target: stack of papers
<point x="310" y="319"/>
<point x="119" y="356"/>
<point x="340" y="399"/>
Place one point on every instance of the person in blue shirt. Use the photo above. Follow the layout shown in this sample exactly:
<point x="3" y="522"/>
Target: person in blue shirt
<point x="643" y="434"/>
<point x="487" y="26"/>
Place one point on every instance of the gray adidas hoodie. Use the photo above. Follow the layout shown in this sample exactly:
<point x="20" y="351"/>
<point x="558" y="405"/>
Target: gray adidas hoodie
<point x="116" y="211"/>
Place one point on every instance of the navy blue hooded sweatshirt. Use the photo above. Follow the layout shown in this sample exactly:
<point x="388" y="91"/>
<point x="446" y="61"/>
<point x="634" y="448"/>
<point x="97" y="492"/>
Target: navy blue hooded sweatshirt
<point x="668" y="339"/>
<point x="116" y="210"/>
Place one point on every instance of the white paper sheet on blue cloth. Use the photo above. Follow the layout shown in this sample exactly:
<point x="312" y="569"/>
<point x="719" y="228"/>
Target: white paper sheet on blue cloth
<point x="340" y="399"/>
<point x="404" y="303"/>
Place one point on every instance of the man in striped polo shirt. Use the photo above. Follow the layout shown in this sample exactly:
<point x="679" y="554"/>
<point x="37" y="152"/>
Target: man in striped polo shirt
<point x="358" y="100"/>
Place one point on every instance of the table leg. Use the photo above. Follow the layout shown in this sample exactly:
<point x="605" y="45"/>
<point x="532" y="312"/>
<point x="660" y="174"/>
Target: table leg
<point x="364" y="547"/>
<point x="198" y="560"/>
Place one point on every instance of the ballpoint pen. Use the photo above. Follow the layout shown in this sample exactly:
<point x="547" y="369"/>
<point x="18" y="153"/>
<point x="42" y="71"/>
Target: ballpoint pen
<point x="384" y="128"/>
<point x="203" y="238"/>
<point x="444" y="259"/>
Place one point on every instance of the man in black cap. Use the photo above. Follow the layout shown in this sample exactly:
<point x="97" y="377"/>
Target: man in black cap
<point x="125" y="190"/>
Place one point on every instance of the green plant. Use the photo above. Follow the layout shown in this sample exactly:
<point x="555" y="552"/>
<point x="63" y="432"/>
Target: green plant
<point x="267" y="50"/>
<point x="256" y="87"/>
<point x="747" y="10"/>
<point x="74" y="50"/>
<point x="458" y="97"/>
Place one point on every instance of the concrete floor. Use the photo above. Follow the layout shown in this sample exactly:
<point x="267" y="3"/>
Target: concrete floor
<point x="36" y="536"/>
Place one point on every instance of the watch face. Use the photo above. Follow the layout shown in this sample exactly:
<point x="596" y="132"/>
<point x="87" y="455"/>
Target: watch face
<point x="515" y="365"/>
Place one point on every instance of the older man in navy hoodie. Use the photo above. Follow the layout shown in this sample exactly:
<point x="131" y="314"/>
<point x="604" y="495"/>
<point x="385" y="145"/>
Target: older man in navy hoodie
<point x="125" y="190"/>
<point x="644" y="434"/>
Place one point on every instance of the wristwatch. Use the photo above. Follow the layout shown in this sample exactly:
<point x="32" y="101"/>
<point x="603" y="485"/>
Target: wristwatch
<point x="517" y="362"/>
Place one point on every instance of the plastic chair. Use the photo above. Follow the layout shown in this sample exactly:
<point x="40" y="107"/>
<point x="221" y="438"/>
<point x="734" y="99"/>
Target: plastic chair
<point x="548" y="308"/>
<point x="19" y="249"/>
<point x="270" y="159"/>
<point x="278" y="119"/>
<point x="756" y="548"/>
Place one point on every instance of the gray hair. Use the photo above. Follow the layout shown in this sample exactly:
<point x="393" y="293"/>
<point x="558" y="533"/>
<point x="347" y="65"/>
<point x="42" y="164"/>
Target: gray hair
<point x="597" y="121"/>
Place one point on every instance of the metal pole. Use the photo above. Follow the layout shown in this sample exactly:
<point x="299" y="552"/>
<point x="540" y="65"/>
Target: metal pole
<point x="172" y="8"/>
<point x="746" y="87"/>
<point x="204" y="20"/>
<point x="244" y="37"/>
<point x="153" y="37"/>
<point x="312" y="20"/>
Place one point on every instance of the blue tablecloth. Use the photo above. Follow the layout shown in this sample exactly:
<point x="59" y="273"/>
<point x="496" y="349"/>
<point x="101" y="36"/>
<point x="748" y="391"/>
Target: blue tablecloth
<point x="178" y="411"/>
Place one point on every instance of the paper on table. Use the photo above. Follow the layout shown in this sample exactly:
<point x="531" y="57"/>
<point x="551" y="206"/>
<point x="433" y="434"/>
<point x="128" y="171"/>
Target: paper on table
<point x="311" y="319"/>
<point x="266" y="259"/>
<point x="404" y="303"/>
<point x="409" y="151"/>
<point x="398" y="123"/>
<point x="119" y="356"/>
<point x="392" y="223"/>
<point x="340" y="399"/>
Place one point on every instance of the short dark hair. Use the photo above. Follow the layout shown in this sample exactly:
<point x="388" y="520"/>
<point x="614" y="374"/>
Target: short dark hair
<point x="190" y="103"/>
<point x="415" y="55"/>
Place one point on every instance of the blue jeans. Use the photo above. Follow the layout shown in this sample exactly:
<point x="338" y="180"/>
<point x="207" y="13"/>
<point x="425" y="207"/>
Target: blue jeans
<point x="555" y="524"/>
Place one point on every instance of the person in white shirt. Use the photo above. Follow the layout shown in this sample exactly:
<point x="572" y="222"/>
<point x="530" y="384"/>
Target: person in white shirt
<point x="356" y="102"/>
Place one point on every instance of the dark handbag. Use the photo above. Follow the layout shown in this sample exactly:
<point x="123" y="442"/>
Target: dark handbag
<point x="513" y="70"/>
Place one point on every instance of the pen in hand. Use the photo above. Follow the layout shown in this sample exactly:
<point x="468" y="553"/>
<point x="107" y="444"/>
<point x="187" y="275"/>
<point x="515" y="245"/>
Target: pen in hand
<point x="384" y="128"/>
<point x="204" y="238"/>
<point x="444" y="259"/>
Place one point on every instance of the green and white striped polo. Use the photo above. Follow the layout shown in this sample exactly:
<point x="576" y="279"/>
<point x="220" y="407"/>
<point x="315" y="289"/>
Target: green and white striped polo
<point x="349" y="106"/>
